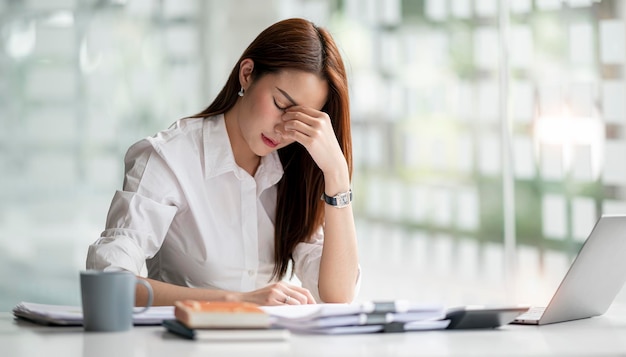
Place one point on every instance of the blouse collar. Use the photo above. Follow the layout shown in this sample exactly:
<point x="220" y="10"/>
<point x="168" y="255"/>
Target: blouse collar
<point x="219" y="157"/>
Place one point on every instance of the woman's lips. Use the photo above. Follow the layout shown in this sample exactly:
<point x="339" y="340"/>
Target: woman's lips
<point x="269" y="142"/>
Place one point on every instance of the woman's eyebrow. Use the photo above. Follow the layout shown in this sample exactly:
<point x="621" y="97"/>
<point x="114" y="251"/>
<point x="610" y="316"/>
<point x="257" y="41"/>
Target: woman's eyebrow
<point x="293" y="102"/>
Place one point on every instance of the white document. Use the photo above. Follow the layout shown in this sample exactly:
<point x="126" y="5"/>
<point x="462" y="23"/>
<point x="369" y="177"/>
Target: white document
<point x="313" y="311"/>
<point x="360" y="319"/>
<point x="73" y="315"/>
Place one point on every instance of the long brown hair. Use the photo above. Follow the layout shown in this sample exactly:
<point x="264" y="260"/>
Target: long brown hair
<point x="296" y="44"/>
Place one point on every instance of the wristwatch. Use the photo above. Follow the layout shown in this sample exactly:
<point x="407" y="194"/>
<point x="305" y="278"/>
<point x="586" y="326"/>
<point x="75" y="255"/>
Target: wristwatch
<point x="340" y="200"/>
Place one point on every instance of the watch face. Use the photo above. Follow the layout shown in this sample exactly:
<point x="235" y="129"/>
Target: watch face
<point x="343" y="200"/>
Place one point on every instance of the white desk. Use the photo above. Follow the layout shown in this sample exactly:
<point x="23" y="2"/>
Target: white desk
<point x="605" y="335"/>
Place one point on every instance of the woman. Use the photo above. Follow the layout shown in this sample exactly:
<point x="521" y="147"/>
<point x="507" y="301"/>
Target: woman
<point x="223" y="204"/>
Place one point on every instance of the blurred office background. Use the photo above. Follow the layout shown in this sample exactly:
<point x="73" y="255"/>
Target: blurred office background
<point x="488" y="135"/>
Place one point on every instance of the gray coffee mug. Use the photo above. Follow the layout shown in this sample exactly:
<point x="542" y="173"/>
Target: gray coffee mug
<point x="108" y="299"/>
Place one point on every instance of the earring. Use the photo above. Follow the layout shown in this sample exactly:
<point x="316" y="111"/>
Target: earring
<point x="240" y="93"/>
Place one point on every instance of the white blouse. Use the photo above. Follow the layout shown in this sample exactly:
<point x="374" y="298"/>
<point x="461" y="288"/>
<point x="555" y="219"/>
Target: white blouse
<point x="195" y="218"/>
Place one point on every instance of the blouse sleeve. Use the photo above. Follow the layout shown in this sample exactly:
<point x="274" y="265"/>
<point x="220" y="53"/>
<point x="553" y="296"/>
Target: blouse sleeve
<point x="307" y="256"/>
<point x="139" y="216"/>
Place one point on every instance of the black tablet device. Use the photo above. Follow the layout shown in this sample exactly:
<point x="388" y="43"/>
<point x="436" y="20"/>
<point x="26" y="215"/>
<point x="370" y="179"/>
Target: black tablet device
<point x="482" y="317"/>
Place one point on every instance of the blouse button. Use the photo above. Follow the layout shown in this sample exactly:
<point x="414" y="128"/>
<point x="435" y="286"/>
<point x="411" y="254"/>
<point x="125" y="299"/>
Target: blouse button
<point x="250" y="272"/>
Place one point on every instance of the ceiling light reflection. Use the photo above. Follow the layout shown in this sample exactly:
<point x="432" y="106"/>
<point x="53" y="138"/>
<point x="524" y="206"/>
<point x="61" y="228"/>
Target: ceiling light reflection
<point x="568" y="132"/>
<point x="61" y="18"/>
<point x="88" y="62"/>
<point x="21" y="38"/>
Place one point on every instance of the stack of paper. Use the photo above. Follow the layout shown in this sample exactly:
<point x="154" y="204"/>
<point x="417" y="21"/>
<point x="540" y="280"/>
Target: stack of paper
<point x="73" y="315"/>
<point x="394" y="316"/>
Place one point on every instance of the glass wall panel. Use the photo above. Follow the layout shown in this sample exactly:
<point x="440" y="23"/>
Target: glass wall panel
<point x="488" y="135"/>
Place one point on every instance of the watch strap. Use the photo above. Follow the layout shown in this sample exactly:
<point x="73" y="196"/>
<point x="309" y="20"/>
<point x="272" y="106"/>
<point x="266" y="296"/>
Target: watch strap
<point x="340" y="200"/>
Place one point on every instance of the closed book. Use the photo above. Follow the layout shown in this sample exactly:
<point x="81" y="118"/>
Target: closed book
<point x="209" y="314"/>
<point x="226" y="335"/>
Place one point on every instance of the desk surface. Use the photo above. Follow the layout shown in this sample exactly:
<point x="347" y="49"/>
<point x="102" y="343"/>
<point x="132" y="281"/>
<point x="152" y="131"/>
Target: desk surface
<point x="604" y="335"/>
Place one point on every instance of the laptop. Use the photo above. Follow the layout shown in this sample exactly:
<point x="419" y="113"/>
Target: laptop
<point x="593" y="280"/>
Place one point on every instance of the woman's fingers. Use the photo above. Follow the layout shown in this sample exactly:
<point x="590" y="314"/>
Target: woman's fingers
<point x="306" y="126"/>
<point x="299" y="296"/>
<point x="291" y="295"/>
<point x="298" y="110"/>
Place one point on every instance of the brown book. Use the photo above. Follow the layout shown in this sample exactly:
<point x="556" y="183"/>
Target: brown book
<point x="209" y="314"/>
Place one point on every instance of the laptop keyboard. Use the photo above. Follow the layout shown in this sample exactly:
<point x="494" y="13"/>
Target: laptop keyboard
<point x="534" y="313"/>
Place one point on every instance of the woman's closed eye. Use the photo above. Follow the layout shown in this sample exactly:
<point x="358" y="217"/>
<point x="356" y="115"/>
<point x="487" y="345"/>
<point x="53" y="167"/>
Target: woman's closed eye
<point x="278" y="106"/>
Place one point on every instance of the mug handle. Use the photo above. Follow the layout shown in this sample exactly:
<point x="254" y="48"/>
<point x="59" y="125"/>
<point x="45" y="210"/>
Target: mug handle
<point x="150" y="296"/>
